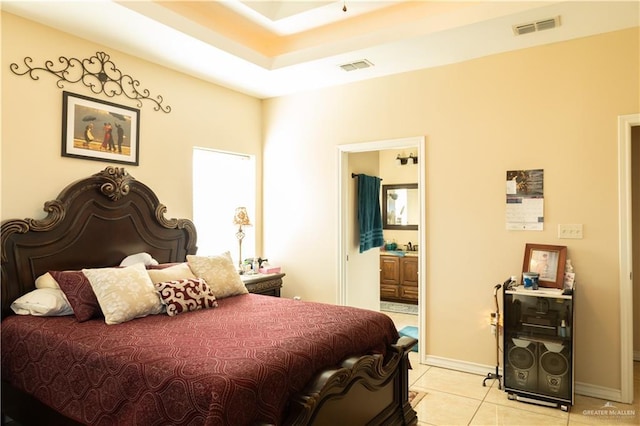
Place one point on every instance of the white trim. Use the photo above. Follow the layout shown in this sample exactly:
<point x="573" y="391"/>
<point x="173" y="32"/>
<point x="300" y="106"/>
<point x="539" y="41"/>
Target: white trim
<point x="586" y="389"/>
<point x="625" y="122"/>
<point x="595" y="391"/>
<point x="343" y="180"/>
<point x="458" y="365"/>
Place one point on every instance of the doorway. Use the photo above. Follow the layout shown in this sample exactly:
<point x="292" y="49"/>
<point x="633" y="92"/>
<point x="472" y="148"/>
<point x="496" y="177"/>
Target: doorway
<point x="353" y="292"/>
<point x="626" y="123"/>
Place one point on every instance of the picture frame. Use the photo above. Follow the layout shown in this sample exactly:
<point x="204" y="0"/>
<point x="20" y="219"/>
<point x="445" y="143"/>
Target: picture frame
<point x="549" y="261"/>
<point x="93" y="129"/>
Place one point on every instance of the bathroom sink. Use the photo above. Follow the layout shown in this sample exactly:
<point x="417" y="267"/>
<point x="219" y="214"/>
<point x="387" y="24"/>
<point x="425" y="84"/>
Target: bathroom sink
<point x="399" y="253"/>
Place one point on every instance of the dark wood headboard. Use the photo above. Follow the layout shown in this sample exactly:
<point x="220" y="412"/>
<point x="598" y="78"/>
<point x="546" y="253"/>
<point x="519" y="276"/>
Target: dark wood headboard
<point x="95" y="222"/>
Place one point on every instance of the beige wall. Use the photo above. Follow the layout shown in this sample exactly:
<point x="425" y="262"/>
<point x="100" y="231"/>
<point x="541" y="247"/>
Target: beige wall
<point x="33" y="171"/>
<point x="393" y="174"/>
<point x="553" y="107"/>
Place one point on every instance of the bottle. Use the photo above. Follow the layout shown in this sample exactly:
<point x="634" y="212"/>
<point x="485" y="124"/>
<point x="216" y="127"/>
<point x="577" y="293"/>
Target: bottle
<point x="562" y="330"/>
<point x="568" y="266"/>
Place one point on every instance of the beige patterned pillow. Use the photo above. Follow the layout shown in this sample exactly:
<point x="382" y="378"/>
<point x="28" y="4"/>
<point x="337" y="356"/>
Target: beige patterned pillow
<point x="172" y="273"/>
<point x="124" y="293"/>
<point x="219" y="272"/>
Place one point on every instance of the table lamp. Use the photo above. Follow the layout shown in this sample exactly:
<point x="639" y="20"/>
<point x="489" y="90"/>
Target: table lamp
<point x="240" y="218"/>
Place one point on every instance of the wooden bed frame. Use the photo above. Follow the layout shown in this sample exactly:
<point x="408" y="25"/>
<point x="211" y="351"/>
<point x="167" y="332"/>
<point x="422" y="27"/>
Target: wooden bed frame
<point x="98" y="221"/>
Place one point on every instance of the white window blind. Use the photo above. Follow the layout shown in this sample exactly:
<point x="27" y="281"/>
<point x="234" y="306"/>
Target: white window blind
<point x="223" y="181"/>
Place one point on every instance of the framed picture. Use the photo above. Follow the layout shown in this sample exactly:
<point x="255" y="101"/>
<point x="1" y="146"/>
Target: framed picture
<point x="93" y="129"/>
<point x="548" y="261"/>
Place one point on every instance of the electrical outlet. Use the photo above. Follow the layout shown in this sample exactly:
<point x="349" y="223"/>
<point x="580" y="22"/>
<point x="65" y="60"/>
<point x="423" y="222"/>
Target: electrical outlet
<point x="571" y="231"/>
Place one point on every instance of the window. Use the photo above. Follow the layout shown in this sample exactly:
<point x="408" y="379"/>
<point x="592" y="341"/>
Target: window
<point x="223" y="181"/>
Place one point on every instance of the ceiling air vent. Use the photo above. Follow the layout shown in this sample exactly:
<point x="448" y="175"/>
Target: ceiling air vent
<point x="357" y="65"/>
<point x="530" y="27"/>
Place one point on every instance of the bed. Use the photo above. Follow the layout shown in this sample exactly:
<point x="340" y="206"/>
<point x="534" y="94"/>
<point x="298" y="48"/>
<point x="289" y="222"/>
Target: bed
<point x="249" y="359"/>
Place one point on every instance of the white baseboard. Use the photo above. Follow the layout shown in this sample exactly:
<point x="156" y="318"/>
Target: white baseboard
<point x="464" y="366"/>
<point x="585" y="389"/>
<point x="595" y="391"/>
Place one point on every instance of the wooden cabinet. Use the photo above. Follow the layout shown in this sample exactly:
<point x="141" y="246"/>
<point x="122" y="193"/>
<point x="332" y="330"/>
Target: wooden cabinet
<point x="409" y="279"/>
<point x="389" y="277"/>
<point x="399" y="279"/>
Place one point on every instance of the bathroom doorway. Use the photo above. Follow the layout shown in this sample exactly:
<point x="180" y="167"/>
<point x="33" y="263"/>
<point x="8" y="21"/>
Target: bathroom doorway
<point x="359" y="273"/>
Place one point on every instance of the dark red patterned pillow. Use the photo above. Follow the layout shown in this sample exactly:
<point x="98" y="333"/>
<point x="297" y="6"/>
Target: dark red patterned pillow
<point x="186" y="295"/>
<point x="77" y="288"/>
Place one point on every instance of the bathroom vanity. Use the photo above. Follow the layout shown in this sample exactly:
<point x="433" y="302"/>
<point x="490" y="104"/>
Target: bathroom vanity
<point x="399" y="278"/>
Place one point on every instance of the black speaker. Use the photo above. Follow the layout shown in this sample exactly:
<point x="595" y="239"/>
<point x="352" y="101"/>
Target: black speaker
<point x="521" y="370"/>
<point x="554" y="369"/>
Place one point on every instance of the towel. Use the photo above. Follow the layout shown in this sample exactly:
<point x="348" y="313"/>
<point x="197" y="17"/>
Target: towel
<point x="369" y="216"/>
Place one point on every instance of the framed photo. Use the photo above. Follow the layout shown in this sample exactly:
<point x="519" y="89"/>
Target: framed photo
<point x="548" y="261"/>
<point x="97" y="130"/>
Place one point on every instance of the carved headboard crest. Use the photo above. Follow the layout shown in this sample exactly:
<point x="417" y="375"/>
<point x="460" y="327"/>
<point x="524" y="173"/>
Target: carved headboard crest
<point x="117" y="185"/>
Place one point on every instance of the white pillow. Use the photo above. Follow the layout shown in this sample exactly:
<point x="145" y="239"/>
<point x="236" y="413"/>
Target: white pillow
<point x="43" y="302"/>
<point x="144" y="258"/>
<point x="219" y="272"/>
<point x="46" y="281"/>
<point x="172" y="273"/>
<point x="124" y="293"/>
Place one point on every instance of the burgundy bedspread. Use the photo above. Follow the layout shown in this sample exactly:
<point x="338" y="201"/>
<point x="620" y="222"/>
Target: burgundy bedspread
<point x="236" y="364"/>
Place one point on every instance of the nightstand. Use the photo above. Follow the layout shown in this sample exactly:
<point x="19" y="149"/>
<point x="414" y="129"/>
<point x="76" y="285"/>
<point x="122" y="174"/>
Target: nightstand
<point x="268" y="284"/>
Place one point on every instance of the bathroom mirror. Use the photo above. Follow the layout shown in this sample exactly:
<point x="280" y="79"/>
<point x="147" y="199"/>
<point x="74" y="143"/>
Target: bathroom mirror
<point x="400" y="206"/>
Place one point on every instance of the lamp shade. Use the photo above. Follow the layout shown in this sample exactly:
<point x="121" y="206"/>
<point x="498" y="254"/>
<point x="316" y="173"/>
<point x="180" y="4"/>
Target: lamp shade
<point x="241" y="217"/>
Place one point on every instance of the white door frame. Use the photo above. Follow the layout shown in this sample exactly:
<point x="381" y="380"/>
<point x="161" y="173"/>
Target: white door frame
<point x="344" y="179"/>
<point x="625" y="122"/>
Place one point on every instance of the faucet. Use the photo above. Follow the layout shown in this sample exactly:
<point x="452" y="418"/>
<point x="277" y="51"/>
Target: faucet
<point x="409" y="248"/>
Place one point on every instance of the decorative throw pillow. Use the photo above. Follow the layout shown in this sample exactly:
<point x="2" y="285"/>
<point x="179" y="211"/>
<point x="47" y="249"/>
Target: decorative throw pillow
<point x="145" y="258"/>
<point x="186" y="295"/>
<point x="124" y="293"/>
<point x="219" y="273"/>
<point x="172" y="273"/>
<point x="77" y="288"/>
<point x="46" y="281"/>
<point x="44" y="302"/>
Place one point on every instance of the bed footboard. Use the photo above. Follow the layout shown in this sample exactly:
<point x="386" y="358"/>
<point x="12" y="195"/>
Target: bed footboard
<point x="366" y="390"/>
<point x="27" y="410"/>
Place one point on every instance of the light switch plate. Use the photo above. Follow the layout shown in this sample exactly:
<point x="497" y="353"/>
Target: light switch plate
<point x="570" y="231"/>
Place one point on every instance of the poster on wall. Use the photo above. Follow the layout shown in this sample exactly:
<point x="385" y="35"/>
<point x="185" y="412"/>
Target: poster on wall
<point x="525" y="200"/>
<point x="93" y="129"/>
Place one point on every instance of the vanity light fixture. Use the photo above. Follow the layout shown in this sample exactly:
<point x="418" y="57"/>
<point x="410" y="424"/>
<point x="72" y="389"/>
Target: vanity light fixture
<point x="403" y="161"/>
<point x="240" y="218"/>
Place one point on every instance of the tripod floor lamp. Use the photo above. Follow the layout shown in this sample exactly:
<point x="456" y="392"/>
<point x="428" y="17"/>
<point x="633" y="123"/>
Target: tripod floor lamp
<point x="240" y="218"/>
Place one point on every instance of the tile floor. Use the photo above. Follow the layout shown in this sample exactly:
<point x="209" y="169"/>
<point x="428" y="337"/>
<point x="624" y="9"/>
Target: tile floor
<point x="456" y="398"/>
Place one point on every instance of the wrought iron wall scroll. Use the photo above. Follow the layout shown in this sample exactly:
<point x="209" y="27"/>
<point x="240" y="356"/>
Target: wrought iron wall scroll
<point x="98" y="73"/>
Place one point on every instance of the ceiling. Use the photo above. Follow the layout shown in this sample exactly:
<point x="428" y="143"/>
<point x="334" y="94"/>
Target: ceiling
<point x="274" y="48"/>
